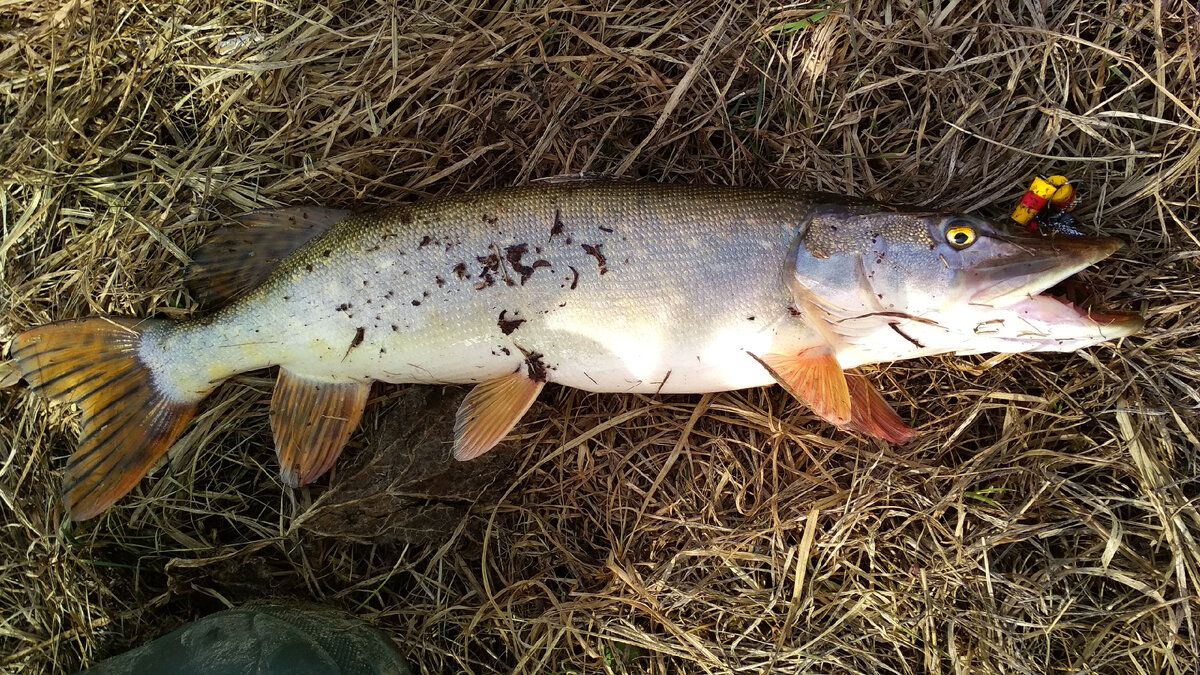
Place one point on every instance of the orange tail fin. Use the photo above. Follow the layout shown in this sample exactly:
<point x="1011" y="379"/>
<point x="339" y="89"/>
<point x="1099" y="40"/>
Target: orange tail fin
<point x="128" y="424"/>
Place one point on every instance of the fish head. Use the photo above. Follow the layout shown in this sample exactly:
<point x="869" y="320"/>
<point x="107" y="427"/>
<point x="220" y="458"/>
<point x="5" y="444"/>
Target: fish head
<point x="891" y="285"/>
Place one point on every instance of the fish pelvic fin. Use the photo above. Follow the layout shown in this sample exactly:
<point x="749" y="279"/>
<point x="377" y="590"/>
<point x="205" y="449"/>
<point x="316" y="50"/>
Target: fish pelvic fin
<point x="235" y="260"/>
<point x="815" y="378"/>
<point x="490" y="411"/>
<point x="870" y="414"/>
<point x="312" y="420"/>
<point x="128" y="421"/>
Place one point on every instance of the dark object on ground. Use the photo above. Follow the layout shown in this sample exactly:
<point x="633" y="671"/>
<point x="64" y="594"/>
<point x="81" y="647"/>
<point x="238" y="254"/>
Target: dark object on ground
<point x="265" y="640"/>
<point x="404" y="486"/>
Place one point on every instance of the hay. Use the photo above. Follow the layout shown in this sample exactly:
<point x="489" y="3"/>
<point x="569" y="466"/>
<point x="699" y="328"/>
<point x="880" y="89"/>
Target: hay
<point x="1044" y="522"/>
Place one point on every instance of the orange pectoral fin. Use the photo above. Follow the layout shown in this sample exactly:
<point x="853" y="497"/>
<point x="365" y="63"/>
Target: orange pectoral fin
<point x="490" y="411"/>
<point x="312" y="420"/>
<point x="814" y="377"/>
<point x="871" y="415"/>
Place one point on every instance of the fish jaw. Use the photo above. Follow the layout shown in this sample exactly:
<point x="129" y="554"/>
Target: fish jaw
<point x="1011" y="301"/>
<point x="1048" y="323"/>
<point x="1032" y="264"/>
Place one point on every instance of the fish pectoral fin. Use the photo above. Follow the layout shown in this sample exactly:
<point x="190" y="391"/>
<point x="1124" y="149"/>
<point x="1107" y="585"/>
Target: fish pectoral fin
<point x="128" y="421"/>
<point x="490" y="411"/>
<point x="235" y="260"/>
<point x="870" y="414"/>
<point x="815" y="378"/>
<point x="312" y="420"/>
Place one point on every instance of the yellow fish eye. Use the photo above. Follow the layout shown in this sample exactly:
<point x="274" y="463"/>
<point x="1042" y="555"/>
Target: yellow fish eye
<point x="960" y="236"/>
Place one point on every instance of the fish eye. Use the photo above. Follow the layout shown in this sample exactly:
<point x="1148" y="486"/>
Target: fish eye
<point x="959" y="234"/>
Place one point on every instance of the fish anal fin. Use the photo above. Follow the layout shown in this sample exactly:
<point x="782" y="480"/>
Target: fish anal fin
<point x="312" y="420"/>
<point x="490" y="411"/>
<point x="236" y="259"/>
<point x="128" y="423"/>
<point x="870" y="414"/>
<point x="815" y="378"/>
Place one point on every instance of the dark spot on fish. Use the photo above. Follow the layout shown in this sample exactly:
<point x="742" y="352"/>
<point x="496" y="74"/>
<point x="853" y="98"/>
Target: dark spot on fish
<point x="382" y="350"/>
<point x="507" y="326"/>
<point x="343" y="307"/>
<point x="308" y="268"/>
<point x="594" y="251"/>
<point x="388" y="295"/>
<point x="405" y="217"/>
<point x="416" y="303"/>
<point x="906" y="336"/>
<point x="537" y="249"/>
<point x="606" y="229"/>
<point x="664" y="381"/>
<point x="490" y="262"/>
<point x="490" y="219"/>
<point x="395" y="328"/>
<point x="365" y="282"/>
<point x="562" y="304"/>
<point x="439" y="281"/>
<point x="460" y="270"/>
<point x="627" y="261"/>
<point x="513" y="254"/>
<point x="373" y="248"/>
<point x="325" y="253"/>
<point x="568" y="241"/>
<point x="506" y="351"/>
<point x="537" y="369"/>
<point x="794" y="312"/>
<point x="557" y="227"/>
<point x="359" y="334"/>
<point x="749" y="318"/>
<point x="574" y="279"/>
<point x="405" y="273"/>
<point x="425" y="241"/>
<point x="424" y="294"/>
<point x="286" y="298"/>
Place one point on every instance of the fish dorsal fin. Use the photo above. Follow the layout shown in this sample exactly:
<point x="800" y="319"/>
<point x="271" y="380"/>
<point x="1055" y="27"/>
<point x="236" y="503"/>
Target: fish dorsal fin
<point x="236" y="259"/>
<point x="815" y="377"/>
<point x="871" y="415"/>
<point x="312" y="420"/>
<point x="490" y="411"/>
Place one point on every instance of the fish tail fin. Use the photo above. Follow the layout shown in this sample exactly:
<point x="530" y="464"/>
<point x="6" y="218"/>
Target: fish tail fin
<point x="128" y="421"/>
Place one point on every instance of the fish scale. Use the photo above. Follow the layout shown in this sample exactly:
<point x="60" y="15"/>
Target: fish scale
<point x="641" y="281"/>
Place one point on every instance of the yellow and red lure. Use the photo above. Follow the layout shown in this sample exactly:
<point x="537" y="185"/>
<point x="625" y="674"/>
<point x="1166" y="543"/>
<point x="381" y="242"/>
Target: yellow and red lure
<point x="1047" y="206"/>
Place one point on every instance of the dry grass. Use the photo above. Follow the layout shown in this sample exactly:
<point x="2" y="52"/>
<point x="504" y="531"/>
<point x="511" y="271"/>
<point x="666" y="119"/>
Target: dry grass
<point x="1045" y="521"/>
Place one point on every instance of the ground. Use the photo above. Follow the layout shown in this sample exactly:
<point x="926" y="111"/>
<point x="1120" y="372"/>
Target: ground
<point x="1044" y="520"/>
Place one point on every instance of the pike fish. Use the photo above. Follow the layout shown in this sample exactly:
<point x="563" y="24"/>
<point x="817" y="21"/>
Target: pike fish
<point x="603" y="286"/>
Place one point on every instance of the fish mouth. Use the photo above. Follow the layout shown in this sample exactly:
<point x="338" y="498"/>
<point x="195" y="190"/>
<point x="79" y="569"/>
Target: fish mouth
<point x="1022" y="278"/>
